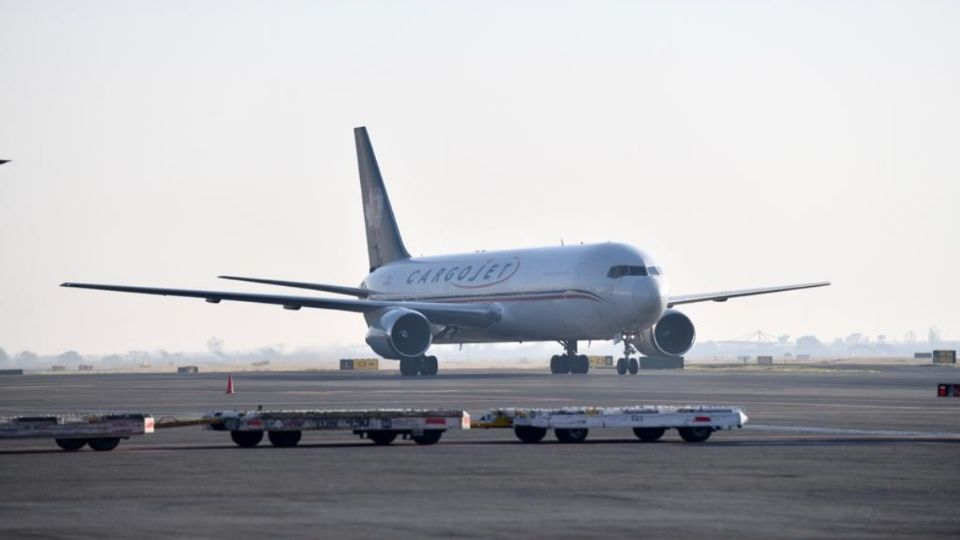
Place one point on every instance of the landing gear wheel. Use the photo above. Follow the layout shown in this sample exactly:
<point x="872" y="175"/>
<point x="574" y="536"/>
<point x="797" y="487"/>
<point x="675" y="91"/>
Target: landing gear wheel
<point x="104" y="444"/>
<point x="71" y="445"/>
<point x="530" y="434"/>
<point x="582" y="363"/>
<point x="651" y="434"/>
<point x="409" y="366"/>
<point x="621" y="366"/>
<point x="284" y="439"/>
<point x="246" y="439"/>
<point x="577" y="435"/>
<point x="430" y="436"/>
<point x="382" y="438"/>
<point x="633" y="366"/>
<point x="695" y="434"/>
<point x="428" y="366"/>
<point x="564" y="365"/>
<point x="555" y="365"/>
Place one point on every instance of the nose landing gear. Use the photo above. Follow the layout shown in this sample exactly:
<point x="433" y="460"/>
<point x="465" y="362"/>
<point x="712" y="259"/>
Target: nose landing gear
<point x="626" y="364"/>
<point x="570" y="361"/>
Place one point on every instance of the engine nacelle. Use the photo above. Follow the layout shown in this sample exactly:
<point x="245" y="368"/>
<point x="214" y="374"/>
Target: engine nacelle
<point x="673" y="335"/>
<point x="400" y="333"/>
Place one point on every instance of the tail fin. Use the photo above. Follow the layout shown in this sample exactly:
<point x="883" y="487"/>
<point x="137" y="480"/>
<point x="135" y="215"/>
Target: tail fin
<point x="384" y="244"/>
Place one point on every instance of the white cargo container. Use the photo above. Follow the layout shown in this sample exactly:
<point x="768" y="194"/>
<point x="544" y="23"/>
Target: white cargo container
<point x="101" y="431"/>
<point x="382" y="426"/>
<point x="649" y="422"/>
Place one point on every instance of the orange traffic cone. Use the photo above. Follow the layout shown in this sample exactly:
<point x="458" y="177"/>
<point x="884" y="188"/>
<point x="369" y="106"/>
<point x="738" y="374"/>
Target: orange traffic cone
<point x="230" y="389"/>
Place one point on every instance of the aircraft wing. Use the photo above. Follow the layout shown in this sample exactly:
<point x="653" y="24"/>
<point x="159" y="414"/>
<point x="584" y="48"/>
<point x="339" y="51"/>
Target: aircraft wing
<point x="723" y="296"/>
<point x="336" y="289"/>
<point x="472" y="315"/>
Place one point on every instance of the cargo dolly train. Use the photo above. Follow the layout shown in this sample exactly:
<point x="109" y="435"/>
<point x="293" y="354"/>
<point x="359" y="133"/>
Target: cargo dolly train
<point x="383" y="426"/>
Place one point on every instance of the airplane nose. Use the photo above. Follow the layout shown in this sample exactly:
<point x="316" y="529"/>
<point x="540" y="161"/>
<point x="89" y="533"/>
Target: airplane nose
<point x="649" y="299"/>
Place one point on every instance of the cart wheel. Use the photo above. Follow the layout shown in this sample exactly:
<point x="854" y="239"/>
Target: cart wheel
<point x="381" y="438"/>
<point x="430" y="436"/>
<point x="104" y="444"/>
<point x="652" y="434"/>
<point x="530" y="434"/>
<point x="284" y="439"/>
<point x="246" y="439"/>
<point x="71" y="445"/>
<point x="571" y="435"/>
<point x="695" y="434"/>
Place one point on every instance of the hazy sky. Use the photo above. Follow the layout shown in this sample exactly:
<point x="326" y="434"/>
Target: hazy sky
<point x="742" y="143"/>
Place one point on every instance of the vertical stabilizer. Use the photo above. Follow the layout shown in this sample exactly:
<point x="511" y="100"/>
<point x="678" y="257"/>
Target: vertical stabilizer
<point x="384" y="244"/>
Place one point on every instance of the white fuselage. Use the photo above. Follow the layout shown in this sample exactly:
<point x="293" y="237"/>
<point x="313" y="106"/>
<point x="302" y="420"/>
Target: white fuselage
<point x="551" y="293"/>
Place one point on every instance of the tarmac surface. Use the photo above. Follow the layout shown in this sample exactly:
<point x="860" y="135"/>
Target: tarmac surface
<point x="844" y="451"/>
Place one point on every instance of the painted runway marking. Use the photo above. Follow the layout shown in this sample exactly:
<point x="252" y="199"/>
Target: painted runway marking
<point x="925" y="408"/>
<point x="848" y="431"/>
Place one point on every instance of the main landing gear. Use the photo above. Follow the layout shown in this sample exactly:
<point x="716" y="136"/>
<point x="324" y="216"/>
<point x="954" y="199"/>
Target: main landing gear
<point x="626" y="364"/>
<point x="570" y="361"/>
<point x="422" y="365"/>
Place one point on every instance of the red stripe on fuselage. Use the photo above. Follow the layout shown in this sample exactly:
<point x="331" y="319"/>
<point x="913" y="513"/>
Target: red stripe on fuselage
<point x="506" y="297"/>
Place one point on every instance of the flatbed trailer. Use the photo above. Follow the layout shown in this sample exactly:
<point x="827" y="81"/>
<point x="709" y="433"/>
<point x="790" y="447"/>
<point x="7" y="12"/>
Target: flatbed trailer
<point x="381" y="426"/>
<point x="71" y="432"/>
<point x="649" y="422"/>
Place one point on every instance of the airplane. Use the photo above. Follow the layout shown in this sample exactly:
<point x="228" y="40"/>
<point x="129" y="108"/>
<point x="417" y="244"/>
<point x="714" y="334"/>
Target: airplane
<point x="568" y="294"/>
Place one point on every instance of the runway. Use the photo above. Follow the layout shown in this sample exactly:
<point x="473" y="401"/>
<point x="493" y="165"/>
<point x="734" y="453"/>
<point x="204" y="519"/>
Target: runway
<point x="849" y="451"/>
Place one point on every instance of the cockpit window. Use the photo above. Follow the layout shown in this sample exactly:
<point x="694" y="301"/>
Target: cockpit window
<point x="625" y="270"/>
<point x="653" y="270"/>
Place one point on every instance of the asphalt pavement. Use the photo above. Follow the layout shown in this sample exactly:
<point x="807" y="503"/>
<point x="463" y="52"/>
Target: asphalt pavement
<point x="839" y="451"/>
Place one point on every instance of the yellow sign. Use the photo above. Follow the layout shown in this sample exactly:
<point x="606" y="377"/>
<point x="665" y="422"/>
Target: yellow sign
<point x="601" y="362"/>
<point x="366" y="363"/>
<point x="371" y="364"/>
<point x="944" y="357"/>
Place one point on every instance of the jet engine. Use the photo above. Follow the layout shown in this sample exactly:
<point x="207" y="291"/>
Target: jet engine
<point x="400" y="333"/>
<point x="673" y="335"/>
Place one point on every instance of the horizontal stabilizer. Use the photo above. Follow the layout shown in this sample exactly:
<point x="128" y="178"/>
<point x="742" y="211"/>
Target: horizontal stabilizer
<point x="336" y="289"/>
